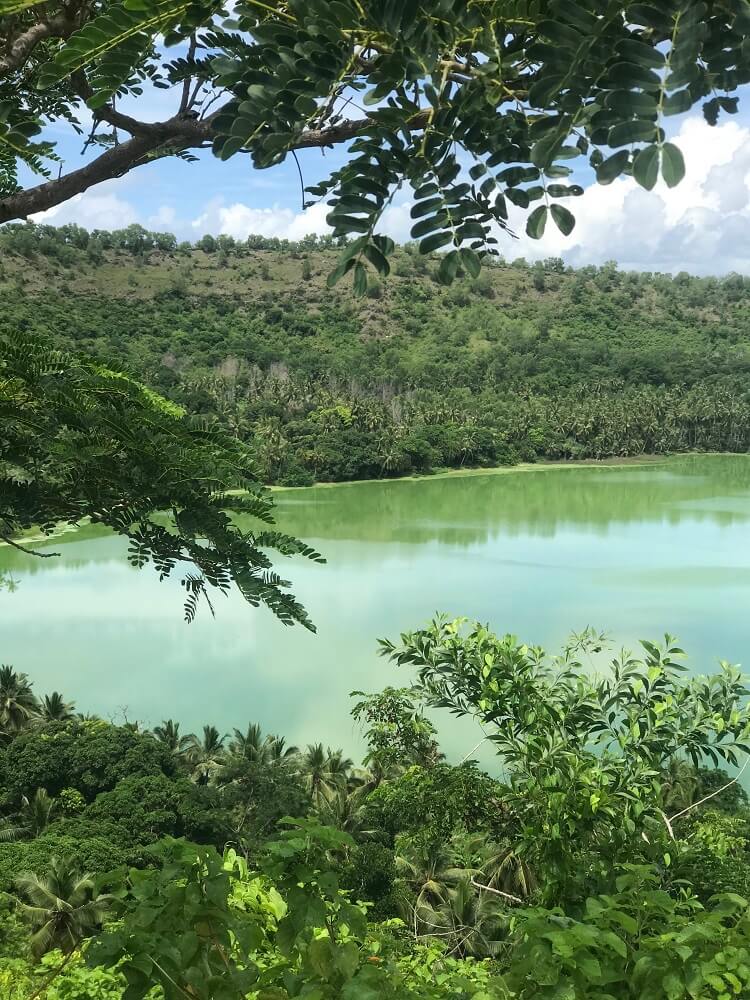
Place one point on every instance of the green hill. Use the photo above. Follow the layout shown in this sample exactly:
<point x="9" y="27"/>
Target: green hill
<point x="522" y="362"/>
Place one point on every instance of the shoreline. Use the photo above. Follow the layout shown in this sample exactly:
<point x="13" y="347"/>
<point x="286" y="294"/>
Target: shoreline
<point x="443" y="473"/>
<point x="499" y="470"/>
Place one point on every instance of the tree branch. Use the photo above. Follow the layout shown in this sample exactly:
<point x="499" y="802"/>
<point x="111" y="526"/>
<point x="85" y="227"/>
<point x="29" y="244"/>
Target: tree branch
<point x="712" y="795"/>
<point x="28" y="552"/>
<point x="19" y="50"/>
<point x="497" y="892"/>
<point x="161" y="138"/>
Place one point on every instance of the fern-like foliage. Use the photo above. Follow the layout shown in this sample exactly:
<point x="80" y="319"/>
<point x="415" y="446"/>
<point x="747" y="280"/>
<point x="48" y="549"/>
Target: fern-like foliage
<point x="80" y="441"/>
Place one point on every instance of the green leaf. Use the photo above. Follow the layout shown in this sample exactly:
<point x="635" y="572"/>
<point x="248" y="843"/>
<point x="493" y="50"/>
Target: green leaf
<point x="360" y="278"/>
<point x="536" y="222"/>
<point x="632" y="102"/>
<point x="564" y="219"/>
<point x="429" y="225"/>
<point x="426" y="207"/>
<point x="672" y="164"/>
<point x="632" y="131"/>
<point x="470" y="261"/>
<point x="377" y="259"/>
<point x="338" y="273"/>
<point x="560" y="33"/>
<point x="612" y="167"/>
<point x="627" y="74"/>
<point x="448" y="267"/>
<point x="678" y="103"/>
<point x="646" y="167"/>
<point x="434" y="242"/>
<point x="641" y="53"/>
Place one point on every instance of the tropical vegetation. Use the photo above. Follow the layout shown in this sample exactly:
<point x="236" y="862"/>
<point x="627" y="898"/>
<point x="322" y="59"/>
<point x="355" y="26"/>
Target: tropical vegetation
<point x="607" y="854"/>
<point x="305" y="384"/>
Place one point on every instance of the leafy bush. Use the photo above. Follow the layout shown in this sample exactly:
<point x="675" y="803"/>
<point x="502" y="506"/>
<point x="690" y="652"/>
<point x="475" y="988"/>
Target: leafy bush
<point x="88" y="756"/>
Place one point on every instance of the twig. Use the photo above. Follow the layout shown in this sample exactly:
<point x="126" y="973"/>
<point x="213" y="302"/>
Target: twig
<point x="28" y="552"/>
<point x="48" y="982"/>
<point x="169" y="978"/>
<point x="718" y="791"/>
<point x="668" y="824"/>
<point x="185" y="101"/>
<point x="497" y="892"/>
<point x="472" y="751"/>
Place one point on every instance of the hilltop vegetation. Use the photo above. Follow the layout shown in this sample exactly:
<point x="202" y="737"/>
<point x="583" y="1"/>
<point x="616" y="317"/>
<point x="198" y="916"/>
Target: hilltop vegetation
<point x="522" y="362"/>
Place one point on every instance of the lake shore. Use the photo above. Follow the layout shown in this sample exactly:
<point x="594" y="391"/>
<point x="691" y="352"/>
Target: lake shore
<point x="499" y="470"/>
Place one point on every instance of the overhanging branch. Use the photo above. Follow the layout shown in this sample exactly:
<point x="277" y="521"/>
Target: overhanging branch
<point x="154" y="139"/>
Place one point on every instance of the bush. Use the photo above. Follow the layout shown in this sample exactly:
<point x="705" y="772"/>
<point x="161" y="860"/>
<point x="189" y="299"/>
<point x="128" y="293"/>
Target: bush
<point x="370" y="875"/>
<point x="146" y="808"/>
<point x="98" y="854"/>
<point x="89" y="756"/>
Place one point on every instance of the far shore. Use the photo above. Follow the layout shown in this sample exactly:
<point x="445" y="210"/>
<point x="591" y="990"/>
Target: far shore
<point x="492" y="470"/>
<point x="499" y="470"/>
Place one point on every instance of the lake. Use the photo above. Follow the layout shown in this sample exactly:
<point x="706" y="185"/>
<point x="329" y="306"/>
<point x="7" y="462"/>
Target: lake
<point x="636" y="550"/>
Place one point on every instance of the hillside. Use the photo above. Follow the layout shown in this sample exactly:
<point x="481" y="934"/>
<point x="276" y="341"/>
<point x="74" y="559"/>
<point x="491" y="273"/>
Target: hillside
<point x="519" y="363"/>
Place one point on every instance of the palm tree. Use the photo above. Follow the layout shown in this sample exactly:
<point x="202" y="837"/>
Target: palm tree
<point x="18" y="704"/>
<point x="429" y="870"/>
<point x="324" y="770"/>
<point x="373" y="776"/>
<point x="35" y="816"/>
<point x="339" y="766"/>
<point x="254" y="746"/>
<point x="168" y="733"/>
<point x="54" y="708"/>
<point x="343" y="809"/>
<point x="206" y="755"/>
<point x="470" y="923"/>
<point x="501" y="868"/>
<point x="62" y="905"/>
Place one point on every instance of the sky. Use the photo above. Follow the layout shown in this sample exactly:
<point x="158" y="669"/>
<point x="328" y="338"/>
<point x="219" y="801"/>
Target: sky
<point x="702" y="226"/>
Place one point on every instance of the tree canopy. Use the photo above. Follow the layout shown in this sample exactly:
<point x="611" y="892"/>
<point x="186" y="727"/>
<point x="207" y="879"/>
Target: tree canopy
<point x="81" y="441"/>
<point x="474" y="105"/>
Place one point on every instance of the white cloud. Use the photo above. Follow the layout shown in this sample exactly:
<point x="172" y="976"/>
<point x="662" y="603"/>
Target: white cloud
<point x="701" y="226"/>
<point x="97" y="208"/>
<point x="240" y="220"/>
<point x="164" y="218"/>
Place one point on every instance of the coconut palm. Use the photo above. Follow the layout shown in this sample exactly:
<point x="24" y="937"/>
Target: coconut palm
<point x="54" y="708"/>
<point x="168" y="733"/>
<point x="254" y="746"/>
<point x="18" y="704"/>
<point x="501" y="868"/>
<point x="206" y="755"/>
<point x="429" y="870"/>
<point x="371" y="777"/>
<point x="679" y="785"/>
<point x="62" y="906"/>
<point x="339" y="766"/>
<point x="468" y="922"/>
<point x="343" y="809"/>
<point x="35" y="816"/>
<point x="324" y="770"/>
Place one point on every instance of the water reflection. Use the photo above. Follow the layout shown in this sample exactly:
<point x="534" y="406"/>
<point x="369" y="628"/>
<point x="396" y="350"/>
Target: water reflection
<point x="636" y="550"/>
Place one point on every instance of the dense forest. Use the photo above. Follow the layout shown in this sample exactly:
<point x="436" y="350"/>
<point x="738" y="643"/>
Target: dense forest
<point x="236" y="865"/>
<point x="524" y="362"/>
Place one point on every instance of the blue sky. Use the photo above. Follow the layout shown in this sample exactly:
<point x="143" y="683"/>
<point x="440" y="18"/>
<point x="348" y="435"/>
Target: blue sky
<point x="702" y="226"/>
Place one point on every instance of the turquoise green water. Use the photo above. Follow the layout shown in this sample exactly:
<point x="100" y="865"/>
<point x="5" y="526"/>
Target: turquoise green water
<point x="635" y="550"/>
